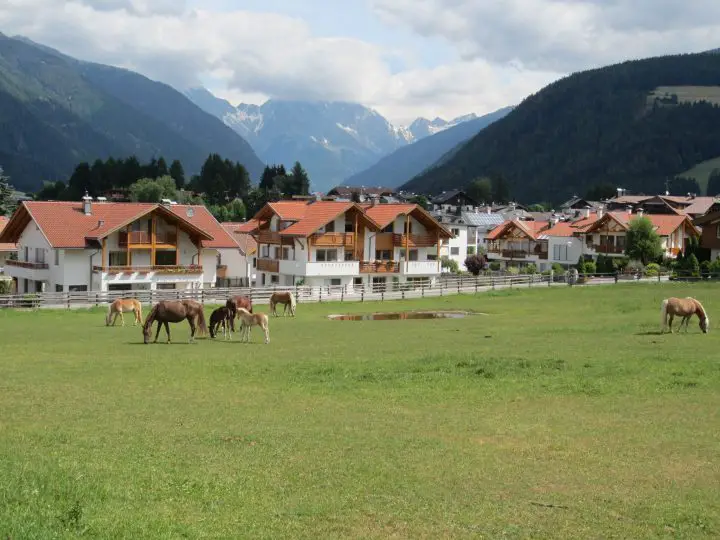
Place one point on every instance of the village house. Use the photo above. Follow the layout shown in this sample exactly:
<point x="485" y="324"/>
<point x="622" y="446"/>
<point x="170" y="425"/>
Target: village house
<point x="607" y="234"/>
<point x="518" y="243"/>
<point x="96" y="245"/>
<point x="8" y="250"/>
<point x="710" y="238"/>
<point x="565" y="245"/>
<point x="236" y="267"/>
<point x="333" y="243"/>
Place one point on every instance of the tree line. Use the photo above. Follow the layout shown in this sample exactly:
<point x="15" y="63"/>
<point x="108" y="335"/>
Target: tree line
<point x="222" y="185"/>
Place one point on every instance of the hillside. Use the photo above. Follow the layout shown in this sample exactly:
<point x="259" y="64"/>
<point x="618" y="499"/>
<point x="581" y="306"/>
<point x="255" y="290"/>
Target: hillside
<point x="56" y="111"/>
<point x="408" y="161"/>
<point x="333" y="140"/>
<point x="594" y="127"/>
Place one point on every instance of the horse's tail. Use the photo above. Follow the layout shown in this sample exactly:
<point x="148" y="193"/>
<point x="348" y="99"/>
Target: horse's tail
<point x="109" y="313"/>
<point x="202" y="326"/>
<point x="292" y="301"/>
<point x="663" y="314"/>
<point x="150" y="318"/>
<point x="138" y="306"/>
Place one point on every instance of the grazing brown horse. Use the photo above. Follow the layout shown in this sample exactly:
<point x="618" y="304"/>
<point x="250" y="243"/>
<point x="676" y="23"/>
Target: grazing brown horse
<point x="222" y="316"/>
<point x="685" y="308"/>
<point x="235" y="302"/>
<point x="174" y="311"/>
<point x="124" y="305"/>
<point x="253" y="319"/>
<point x="286" y="298"/>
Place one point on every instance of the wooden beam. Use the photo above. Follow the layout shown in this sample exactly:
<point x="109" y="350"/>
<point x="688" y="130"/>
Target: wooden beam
<point x="152" y="240"/>
<point x="104" y="261"/>
<point x="129" y="253"/>
<point x="355" y="238"/>
<point x="437" y="234"/>
<point x="407" y="241"/>
<point x="309" y="243"/>
<point x="177" y="244"/>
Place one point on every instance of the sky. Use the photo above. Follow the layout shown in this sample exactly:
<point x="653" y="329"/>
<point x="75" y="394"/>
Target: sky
<point x="404" y="58"/>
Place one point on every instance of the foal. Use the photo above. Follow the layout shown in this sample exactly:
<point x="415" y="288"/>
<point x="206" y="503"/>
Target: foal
<point x="249" y="320"/>
<point x="222" y="316"/>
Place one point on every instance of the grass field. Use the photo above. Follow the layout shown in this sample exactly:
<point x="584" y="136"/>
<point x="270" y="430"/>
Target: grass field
<point x="701" y="173"/>
<point x="558" y="414"/>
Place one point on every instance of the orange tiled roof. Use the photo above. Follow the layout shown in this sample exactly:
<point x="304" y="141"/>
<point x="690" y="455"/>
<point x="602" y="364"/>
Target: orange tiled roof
<point x="245" y="241"/>
<point x="530" y="228"/>
<point x="66" y="226"/>
<point x="6" y="246"/>
<point x="322" y="212"/>
<point x="665" y="224"/>
<point x="290" y="210"/>
<point x="248" y="226"/>
<point x="384" y="214"/>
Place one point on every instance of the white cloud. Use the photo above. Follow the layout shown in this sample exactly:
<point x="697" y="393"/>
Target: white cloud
<point x="561" y="35"/>
<point x="251" y="55"/>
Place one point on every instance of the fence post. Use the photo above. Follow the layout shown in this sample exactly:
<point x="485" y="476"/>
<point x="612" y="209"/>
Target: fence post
<point x="362" y="294"/>
<point x="342" y="294"/>
<point x="492" y="281"/>
<point x="320" y="297"/>
<point x="382" y="295"/>
<point x="68" y="299"/>
<point x="297" y="294"/>
<point x="402" y="292"/>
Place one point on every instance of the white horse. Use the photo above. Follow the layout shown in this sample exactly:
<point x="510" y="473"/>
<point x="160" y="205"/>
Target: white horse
<point x="248" y="320"/>
<point x="685" y="308"/>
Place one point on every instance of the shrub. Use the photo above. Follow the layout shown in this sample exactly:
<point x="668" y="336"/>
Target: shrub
<point x="450" y="264"/>
<point x="705" y="268"/>
<point x="6" y="286"/>
<point x="471" y="250"/>
<point x="513" y="270"/>
<point x="590" y="267"/>
<point x="652" y="269"/>
<point x="715" y="267"/>
<point x="494" y="266"/>
<point x="634" y="266"/>
<point x="531" y="269"/>
<point x="693" y="265"/>
<point x="475" y="264"/>
<point x="558" y="269"/>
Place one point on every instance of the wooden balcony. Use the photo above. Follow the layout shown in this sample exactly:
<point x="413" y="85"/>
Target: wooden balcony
<point x="381" y="267"/>
<point x="614" y="250"/>
<point x="414" y="240"/>
<point x="268" y="237"/>
<point x="141" y="238"/>
<point x="333" y="239"/>
<point x="268" y="265"/>
<point x="157" y="269"/>
<point x="27" y="264"/>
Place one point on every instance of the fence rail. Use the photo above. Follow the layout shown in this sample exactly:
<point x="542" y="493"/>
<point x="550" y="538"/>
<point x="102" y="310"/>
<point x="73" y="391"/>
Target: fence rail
<point x="305" y="294"/>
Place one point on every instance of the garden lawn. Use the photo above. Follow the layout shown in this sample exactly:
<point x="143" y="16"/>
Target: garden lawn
<point x="558" y="413"/>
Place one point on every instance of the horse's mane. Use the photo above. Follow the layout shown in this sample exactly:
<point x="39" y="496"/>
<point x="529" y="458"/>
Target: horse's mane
<point x="150" y="318"/>
<point x="700" y="308"/>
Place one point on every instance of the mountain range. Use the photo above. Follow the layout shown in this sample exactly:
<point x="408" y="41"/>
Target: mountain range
<point x="332" y="140"/>
<point x="638" y="125"/>
<point x="56" y="111"/>
<point x="406" y="162"/>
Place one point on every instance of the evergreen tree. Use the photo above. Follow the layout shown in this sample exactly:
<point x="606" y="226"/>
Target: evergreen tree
<point x="177" y="173"/>
<point x="480" y="190"/>
<point x="153" y="190"/>
<point x="301" y="181"/>
<point x="162" y="168"/>
<point x="713" y="186"/>
<point x="500" y="189"/>
<point x="7" y="201"/>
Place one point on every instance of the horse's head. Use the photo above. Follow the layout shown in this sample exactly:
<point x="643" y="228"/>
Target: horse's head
<point x="705" y="325"/>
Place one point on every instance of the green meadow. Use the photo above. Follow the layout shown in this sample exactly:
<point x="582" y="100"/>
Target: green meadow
<point x="551" y="413"/>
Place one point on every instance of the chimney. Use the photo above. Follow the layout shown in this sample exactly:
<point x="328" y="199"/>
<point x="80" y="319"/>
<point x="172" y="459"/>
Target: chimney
<point x="165" y="202"/>
<point x="373" y="200"/>
<point x="628" y="209"/>
<point x="639" y="212"/>
<point x="87" y="204"/>
<point x="600" y="211"/>
<point x="488" y="209"/>
<point x="586" y="212"/>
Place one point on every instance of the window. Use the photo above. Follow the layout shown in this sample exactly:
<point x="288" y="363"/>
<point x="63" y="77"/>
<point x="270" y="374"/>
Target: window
<point x="265" y="252"/>
<point x="117" y="258"/>
<point x="276" y="252"/>
<point x="274" y="278"/>
<point x="323" y="255"/>
<point x="432" y="257"/>
<point x="165" y="258"/>
<point x="26" y="253"/>
<point x="378" y="284"/>
<point x="408" y="227"/>
<point x="39" y="255"/>
<point x="58" y="288"/>
<point x="77" y="288"/>
<point x="560" y="252"/>
<point x="285" y="254"/>
<point x="254" y="262"/>
<point x="57" y="257"/>
<point x="382" y="255"/>
<point x="166" y="286"/>
<point x="335" y="282"/>
<point x="358" y="281"/>
<point x="349" y="226"/>
<point x="620" y="242"/>
<point x="413" y="255"/>
<point x="388" y="228"/>
<point x="330" y="227"/>
<point x="456" y="232"/>
<point x="348" y="255"/>
<point x="717" y="231"/>
<point x="454" y="251"/>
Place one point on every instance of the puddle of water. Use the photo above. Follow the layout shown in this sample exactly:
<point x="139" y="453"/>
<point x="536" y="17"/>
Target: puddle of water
<point x="402" y="315"/>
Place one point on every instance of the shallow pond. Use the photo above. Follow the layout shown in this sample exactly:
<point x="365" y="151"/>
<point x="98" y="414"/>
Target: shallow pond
<point x="402" y="315"/>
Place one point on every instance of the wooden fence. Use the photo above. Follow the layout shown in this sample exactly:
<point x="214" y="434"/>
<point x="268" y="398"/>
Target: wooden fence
<point x="303" y="294"/>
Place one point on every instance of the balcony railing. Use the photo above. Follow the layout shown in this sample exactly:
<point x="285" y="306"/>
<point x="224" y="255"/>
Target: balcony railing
<point x="27" y="264"/>
<point x="604" y="248"/>
<point x="379" y="267"/>
<point x="268" y="265"/>
<point x="157" y="269"/>
<point x="414" y="240"/>
<point x="140" y="238"/>
<point x="268" y="237"/>
<point x="333" y="239"/>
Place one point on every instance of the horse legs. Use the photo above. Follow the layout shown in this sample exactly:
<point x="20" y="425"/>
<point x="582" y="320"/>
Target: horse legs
<point x="267" y="334"/>
<point x="158" y="331"/>
<point x="191" y="320"/>
<point x="167" y="330"/>
<point x="122" y="319"/>
<point x="670" y="322"/>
